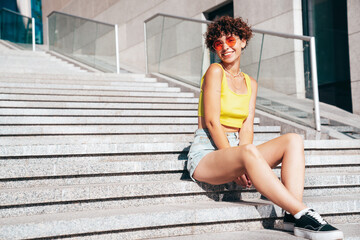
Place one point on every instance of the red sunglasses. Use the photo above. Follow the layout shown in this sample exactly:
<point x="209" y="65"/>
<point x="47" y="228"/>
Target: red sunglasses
<point x="230" y="41"/>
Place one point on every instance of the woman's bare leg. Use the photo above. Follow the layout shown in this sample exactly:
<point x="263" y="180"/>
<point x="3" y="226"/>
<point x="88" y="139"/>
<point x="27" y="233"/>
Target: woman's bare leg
<point x="287" y="149"/>
<point x="225" y="165"/>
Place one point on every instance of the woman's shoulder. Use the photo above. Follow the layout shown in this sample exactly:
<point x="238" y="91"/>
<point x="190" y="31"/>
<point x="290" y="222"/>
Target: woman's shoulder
<point x="215" y="68"/>
<point x="214" y="71"/>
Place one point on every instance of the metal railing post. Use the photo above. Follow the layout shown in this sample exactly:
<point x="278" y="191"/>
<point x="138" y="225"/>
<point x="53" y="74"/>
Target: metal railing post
<point x="145" y="44"/>
<point x="33" y="33"/>
<point x="1" y="23"/>
<point x="261" y="49"/>
<point x="117" y="49"/>
<point x="315" y="83"/>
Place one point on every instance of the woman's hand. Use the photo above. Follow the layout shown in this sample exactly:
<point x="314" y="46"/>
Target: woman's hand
<point x="244" y="181"/>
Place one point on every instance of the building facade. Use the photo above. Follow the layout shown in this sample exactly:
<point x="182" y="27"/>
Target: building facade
<point x="338" y="45"/>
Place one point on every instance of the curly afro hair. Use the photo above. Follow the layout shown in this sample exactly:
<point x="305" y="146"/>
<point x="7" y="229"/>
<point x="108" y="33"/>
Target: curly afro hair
<point x="227" y="26"/>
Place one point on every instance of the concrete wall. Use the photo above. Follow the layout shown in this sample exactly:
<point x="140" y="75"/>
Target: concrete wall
<point x="353" y="7"/>
<point x="282" y="59"/>
<point x="24" y="7"/>
<point x="129" y="15"/>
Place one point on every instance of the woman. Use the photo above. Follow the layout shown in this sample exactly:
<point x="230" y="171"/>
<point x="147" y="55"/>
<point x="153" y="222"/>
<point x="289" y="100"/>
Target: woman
<point x="222" y="150"/>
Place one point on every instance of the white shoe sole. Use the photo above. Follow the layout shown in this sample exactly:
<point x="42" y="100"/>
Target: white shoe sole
<point x="330" y="235"/>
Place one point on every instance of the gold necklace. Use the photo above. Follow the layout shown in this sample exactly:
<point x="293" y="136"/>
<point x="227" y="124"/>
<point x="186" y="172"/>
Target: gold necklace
<point x="234" y="76"/>
<point x="237" y="88"/>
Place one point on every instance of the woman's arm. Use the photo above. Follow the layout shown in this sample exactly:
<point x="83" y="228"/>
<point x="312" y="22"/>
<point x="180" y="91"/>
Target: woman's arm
<point x="246" y="132"/>
<point x="212" y="95"/>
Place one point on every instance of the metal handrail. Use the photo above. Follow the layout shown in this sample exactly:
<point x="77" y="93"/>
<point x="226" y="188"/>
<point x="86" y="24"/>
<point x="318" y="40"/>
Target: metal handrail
<point x="87" y="19"/>
<point x="178" y="17"/>
<point x="32" y="23"/>
<point x="309" y="39"/>
<point x="11" y="11"/>
<point x="99" y="22"/>
<point x="284" y="35"/>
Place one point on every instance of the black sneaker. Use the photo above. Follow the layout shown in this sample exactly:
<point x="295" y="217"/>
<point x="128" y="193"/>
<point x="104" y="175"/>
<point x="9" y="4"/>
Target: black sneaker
<point x="289" y="222"/>
<point x="312" y="226"/>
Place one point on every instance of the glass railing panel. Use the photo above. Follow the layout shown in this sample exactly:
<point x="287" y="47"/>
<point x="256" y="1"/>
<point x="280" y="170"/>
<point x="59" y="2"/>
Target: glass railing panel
<point x="154" y="30"/>
<point x="250" y="56"/>
<point x="105" y="57"/>
<point x="175" y="48"/>
<point x="181" y="52"/>
<point x="16" y="28"/>
<point x="61" y="33"/>
<point x="282" y="81"/>
<point x="85" y="40"/>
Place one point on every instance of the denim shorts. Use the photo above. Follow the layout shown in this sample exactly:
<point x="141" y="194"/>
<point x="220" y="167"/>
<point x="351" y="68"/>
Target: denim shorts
<point x="202" y="145"/>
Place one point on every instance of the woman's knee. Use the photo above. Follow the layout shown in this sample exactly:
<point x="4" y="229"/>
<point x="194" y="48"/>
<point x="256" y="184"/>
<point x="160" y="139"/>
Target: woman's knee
<point x="295" y="147"/>
<point x="294" y="140"/>
<point x="249" y="152"/>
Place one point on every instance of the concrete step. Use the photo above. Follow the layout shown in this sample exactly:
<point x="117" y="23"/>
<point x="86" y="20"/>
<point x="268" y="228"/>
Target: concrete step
<point x="95" y="139"/>
<point x="44" y="66"/>
<point x="21" y="141"/>
<point x="122" y="164"/>
<point x="94" y="105"/>
<point x="101" y="148"/>
<point x="36" y="61"/>
<point x="48" y="120"/>
<point x="41" y="57"/>
<point x="96" y="129"/>
<point x="264" y="102"/>
<point x="331" y="144"/>
<point x="42" y="70"/>
<point x="91" y="77"/>
<point x="36" y="65"/>
<point x="348" y="129"/>
<point x="4" y="47"/>
<point x="103" y="99"/>
<point x="16" y="130"/>
<point x="86" y="149"/>
<point x="182" y="217"/>
<point x="324" y="121"/>
<point x="82" y="92"/>
<point x="95" y="112"/>
<point x="280" y="108"/>
<point x="86" y="200"/>
<point x="356" y="135"/>
<point x="351" y="232"/>
<point x="24" y="54"/>
<point x="298" y="114"/>
<point x="335" y="183"/>
<point x="88" y="87"/>
<point x="101" y="82"/>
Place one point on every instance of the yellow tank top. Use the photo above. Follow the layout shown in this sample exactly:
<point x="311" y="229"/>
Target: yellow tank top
<point x="234" y="108"/>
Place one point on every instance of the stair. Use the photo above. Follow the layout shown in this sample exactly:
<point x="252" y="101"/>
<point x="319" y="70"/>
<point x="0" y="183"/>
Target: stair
<point x="25" y="62"/>
<point x="102" y="156"/>
<point x="285" y="107"/>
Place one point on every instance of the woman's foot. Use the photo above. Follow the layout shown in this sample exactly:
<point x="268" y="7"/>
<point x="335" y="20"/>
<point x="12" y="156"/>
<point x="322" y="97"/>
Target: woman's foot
<point x="312" y="226"/>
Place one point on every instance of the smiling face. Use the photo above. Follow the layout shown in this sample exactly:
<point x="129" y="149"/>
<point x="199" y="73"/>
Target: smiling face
<point x="228" y="48"/>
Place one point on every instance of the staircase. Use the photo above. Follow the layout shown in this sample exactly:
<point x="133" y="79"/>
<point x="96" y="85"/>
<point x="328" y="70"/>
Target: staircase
<point x="102" y="156"/>
<point x="336" y="123"/>
<point x="28" y="62"/>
